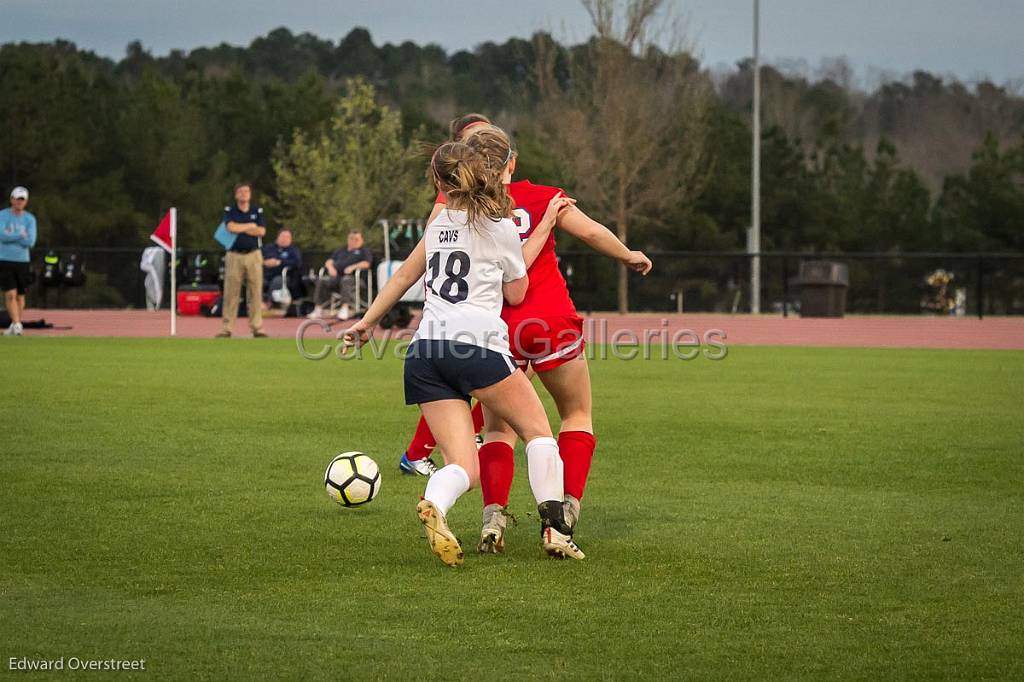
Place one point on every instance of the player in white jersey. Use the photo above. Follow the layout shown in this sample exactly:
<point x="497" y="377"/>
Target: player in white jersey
<point x="473" y="259"/>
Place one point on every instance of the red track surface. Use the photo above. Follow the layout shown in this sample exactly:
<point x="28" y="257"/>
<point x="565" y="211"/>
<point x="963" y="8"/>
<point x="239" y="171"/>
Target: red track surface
<point x="868" y="332"/>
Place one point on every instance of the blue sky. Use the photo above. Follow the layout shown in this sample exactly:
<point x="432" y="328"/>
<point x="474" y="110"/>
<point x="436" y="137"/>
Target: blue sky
<point x="971" y="40"/>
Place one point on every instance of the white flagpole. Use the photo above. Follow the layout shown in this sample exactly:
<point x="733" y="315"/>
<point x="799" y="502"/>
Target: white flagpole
<point x="174" y="271"/>
<point x="754" y="239"/>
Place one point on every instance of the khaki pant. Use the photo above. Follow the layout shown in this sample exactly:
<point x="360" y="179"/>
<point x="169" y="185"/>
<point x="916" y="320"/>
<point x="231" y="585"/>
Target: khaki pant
<point x="247" y="267"/>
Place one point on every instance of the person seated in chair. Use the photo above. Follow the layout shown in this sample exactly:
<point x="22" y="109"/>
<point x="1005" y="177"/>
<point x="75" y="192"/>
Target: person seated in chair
<point x="342" y="267"/>
<point x="278" y="256"/>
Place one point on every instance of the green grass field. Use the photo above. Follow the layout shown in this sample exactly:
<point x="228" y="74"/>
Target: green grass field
<point x="784" y="513"/>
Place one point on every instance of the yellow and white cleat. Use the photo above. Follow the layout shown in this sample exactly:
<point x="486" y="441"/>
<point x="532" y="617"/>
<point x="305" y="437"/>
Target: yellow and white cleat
<point x="442" y="541"/>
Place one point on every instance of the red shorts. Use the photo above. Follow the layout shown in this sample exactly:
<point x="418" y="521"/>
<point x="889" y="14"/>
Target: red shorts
<point x="546" y="342"/>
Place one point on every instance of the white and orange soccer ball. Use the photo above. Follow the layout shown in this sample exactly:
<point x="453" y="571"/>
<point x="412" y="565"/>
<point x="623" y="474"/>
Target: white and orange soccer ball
<point x="352" y="479"/>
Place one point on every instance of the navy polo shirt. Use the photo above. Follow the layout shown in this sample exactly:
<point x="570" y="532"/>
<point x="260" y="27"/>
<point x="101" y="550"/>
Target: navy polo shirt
<point x="290" y="257"/>
<point x="343" y="257"/>
<point x="232" y="214"/>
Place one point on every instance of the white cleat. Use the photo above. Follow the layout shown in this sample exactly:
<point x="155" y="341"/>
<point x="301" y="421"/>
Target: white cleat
<point x="559" y="545"/>
<point x="418" y="467"/>
<point x="13" y="330"/>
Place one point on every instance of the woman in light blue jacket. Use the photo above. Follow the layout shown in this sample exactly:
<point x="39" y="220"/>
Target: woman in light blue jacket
<point x="17" y="237"/>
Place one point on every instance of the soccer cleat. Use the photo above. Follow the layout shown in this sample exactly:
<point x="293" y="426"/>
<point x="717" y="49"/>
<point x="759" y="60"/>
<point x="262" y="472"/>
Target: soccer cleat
<point x="492" y="535"/>
<point x="13" y="330"/>
<point x="223" y="334"/>
<point x="559" y="545"/>
<point x="555" y="533"/>
<point x="442" y="541"/>
<point x="259" y="334"/>
<point x="422" y="467"/>
<point x="571" y="510"/>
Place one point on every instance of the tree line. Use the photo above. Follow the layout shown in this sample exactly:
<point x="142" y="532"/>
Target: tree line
<point x="328" y="133"/>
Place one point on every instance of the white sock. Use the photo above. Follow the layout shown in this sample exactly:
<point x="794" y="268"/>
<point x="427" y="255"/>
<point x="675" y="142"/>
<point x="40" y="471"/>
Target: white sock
<point x="445" y="486"/>
<point x="545" y="468"/>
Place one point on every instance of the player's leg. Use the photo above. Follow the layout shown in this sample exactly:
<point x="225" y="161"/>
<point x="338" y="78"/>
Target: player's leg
<point x="497" y="468"/>
<point x="514" y="401"/>
<point x="416" y="458"/>
<point x="569" y="384"/>
<point x="452" y="425"/>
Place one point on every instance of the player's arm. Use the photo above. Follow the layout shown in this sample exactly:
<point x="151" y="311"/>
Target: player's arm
<point x="514" y="278"/>
<point x="601" y="239"/>
<point x="535" y="242"/>
<point x="515" y="291"/>
<point x="411" y="271"/>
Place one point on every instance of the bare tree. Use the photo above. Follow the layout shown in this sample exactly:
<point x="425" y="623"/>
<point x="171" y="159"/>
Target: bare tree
<point x="628" y="117"/>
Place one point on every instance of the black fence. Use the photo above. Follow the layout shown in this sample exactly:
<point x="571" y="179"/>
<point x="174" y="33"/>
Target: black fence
<point x="879" y="283"/>
<point x="691" y="281"/>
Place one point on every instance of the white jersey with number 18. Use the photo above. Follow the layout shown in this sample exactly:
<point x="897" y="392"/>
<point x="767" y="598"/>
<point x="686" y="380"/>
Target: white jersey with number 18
<point x="466" y="267"/>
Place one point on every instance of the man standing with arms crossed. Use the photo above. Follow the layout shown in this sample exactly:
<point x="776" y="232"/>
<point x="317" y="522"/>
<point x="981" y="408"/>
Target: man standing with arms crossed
<point x="244" y="261"/>
<point x="17" y="236"/>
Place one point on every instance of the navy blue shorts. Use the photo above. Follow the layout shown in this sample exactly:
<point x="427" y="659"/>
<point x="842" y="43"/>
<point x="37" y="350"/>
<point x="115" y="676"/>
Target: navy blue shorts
<point x="443" y="370"/>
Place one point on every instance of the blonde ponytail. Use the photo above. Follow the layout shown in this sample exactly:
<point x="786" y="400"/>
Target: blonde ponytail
<point x="469" y="183"/>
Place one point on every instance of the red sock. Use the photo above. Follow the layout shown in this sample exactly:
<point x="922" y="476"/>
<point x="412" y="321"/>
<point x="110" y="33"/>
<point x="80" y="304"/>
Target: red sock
<point x="577" y="450"/>
<point x="478" y="417"/>
<point x="497" y="465"/>
<point x="422" y="442"/>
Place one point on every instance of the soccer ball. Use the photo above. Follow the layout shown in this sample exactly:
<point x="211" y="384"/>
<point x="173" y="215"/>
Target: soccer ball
<point x="352" y="479"/>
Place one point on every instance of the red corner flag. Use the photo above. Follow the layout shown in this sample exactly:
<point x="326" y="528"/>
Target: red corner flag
<point x="162" y="234"/>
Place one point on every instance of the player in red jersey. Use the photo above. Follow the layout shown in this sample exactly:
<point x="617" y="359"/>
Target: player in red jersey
<point x="547" y="335"/>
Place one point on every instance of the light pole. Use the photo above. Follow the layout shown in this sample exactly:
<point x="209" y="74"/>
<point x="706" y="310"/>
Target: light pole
<point x="754" y="237"/>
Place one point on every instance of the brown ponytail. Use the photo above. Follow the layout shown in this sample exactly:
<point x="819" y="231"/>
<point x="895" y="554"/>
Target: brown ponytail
<point x="469" y="184"/>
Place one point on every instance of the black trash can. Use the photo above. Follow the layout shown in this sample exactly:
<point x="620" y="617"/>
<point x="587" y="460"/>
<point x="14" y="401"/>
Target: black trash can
<point x="823" y="288"/>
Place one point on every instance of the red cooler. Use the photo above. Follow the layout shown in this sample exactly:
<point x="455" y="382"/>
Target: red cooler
<point x="192" y="302"/>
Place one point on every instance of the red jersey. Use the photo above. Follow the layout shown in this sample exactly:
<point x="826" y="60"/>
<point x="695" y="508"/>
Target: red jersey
<point x="547" y="294"/>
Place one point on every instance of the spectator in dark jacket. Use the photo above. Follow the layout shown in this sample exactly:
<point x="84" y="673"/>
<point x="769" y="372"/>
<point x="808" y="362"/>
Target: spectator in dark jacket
<point x="277" y="257"/>
<point x="341" y="268"/>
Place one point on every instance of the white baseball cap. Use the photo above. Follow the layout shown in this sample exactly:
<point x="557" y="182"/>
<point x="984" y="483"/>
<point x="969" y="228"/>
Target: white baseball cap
<point x="19" y="193"/>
